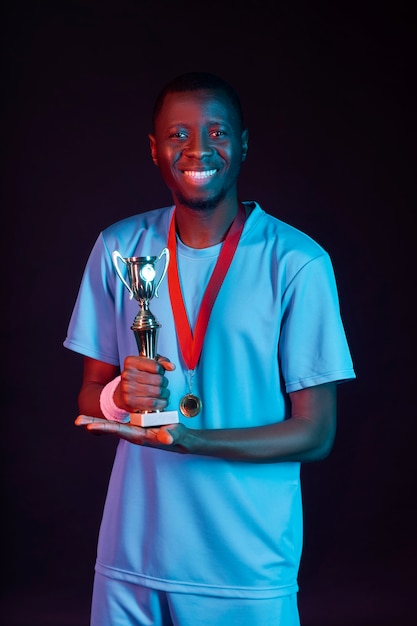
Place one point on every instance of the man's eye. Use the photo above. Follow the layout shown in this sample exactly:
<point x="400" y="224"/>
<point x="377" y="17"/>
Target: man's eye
<point x="218" y="133"/>
<point x="179" y="135"/>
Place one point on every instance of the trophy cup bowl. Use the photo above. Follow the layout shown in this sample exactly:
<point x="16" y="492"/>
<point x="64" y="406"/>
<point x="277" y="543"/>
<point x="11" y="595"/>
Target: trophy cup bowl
<point x="143" y="285"/>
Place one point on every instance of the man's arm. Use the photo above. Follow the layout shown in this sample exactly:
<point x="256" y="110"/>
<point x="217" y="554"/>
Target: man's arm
<point x="96" y="375"/>
<point x="143" y="386"/>
<point x="308" y="435"/>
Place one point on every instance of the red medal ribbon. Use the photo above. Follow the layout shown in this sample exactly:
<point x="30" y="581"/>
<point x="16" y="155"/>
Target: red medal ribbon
<point x="191" y="343"/>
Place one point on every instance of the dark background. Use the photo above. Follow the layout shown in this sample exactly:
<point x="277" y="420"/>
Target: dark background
<point x="327" y="95"/>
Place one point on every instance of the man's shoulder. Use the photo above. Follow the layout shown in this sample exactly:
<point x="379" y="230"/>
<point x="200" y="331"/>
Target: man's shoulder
<point x="286" y="237"/>
<point x="138" y="221"/>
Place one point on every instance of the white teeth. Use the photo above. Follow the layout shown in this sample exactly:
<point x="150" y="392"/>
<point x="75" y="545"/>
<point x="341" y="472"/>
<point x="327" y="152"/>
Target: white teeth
<point x="199" y="175"/>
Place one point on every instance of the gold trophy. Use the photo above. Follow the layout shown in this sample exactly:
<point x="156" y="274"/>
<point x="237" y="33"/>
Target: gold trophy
<point x="143" y="286"/>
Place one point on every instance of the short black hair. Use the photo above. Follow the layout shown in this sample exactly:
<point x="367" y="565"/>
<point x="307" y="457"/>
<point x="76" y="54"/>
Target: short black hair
<point x="193" y="81"/>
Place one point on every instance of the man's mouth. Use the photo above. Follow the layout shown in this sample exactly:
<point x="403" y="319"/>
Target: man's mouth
<point x="199" y="175"/>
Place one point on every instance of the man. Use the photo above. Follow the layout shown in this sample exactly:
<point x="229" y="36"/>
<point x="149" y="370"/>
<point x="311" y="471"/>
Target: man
<point x="203" y="519"/>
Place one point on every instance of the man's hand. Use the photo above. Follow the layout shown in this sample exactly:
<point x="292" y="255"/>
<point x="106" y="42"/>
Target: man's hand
<point x="168" y="436"/>
<point x="143" y="386"/>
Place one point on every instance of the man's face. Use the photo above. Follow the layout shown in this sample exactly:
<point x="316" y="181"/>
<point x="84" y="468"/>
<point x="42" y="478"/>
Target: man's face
<point x="198" y="146"/>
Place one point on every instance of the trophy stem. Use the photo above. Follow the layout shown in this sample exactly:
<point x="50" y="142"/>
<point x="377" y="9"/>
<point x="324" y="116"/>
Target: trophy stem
<point x="146" y="341"/>
<point x="145" y="328"/>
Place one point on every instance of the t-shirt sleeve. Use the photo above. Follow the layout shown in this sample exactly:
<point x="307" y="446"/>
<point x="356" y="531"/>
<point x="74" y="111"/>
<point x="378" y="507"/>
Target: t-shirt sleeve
<point x="313" y="346"/>
<point x="92" y="328"/>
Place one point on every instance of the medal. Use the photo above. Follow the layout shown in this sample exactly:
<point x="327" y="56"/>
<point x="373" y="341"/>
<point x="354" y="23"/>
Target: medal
<point x="191" y="343"/>
<point x="190" y="405"/>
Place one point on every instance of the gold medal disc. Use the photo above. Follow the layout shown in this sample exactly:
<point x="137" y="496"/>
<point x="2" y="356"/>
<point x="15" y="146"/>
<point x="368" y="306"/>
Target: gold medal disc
<point x="190" y="405"/>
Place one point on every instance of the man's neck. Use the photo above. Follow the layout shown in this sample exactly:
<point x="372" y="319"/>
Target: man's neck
<point x="206" y="227"/>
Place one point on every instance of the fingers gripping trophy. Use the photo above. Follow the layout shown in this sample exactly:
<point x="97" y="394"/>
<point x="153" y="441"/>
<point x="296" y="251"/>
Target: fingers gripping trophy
<point x="143" y="286"/>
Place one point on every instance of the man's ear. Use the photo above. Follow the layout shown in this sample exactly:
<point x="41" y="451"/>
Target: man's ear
<point x="152" y="144"/>
<point x="245" y="139"/>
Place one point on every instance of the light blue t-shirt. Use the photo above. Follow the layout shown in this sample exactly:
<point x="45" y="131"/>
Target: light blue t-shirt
<point x="198" y="524"/>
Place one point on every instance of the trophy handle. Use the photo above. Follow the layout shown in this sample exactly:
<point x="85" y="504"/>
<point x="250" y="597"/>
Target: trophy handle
<point x="115" y="256"/>
<point x="165" y="252"/>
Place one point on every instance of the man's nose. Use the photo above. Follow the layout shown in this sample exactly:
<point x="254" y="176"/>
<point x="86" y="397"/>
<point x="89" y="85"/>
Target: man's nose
<point x="199" y="145"/>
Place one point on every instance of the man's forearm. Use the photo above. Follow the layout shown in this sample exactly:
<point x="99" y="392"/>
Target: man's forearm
<point x="296" y="439"/>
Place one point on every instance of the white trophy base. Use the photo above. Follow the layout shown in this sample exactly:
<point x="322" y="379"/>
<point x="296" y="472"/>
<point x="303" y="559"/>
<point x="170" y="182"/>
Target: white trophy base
<point x="159" y="418"/>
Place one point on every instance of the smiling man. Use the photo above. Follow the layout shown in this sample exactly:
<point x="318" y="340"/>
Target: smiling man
<point x="203" y="518"/>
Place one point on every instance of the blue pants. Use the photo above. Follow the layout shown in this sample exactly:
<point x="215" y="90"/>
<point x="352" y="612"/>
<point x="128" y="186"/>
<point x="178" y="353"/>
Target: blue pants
<point x="119" y="603"/>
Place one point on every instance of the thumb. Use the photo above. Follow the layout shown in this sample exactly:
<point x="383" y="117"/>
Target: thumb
<point x="165" y="437"/>
<point x="166" y="363"/>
